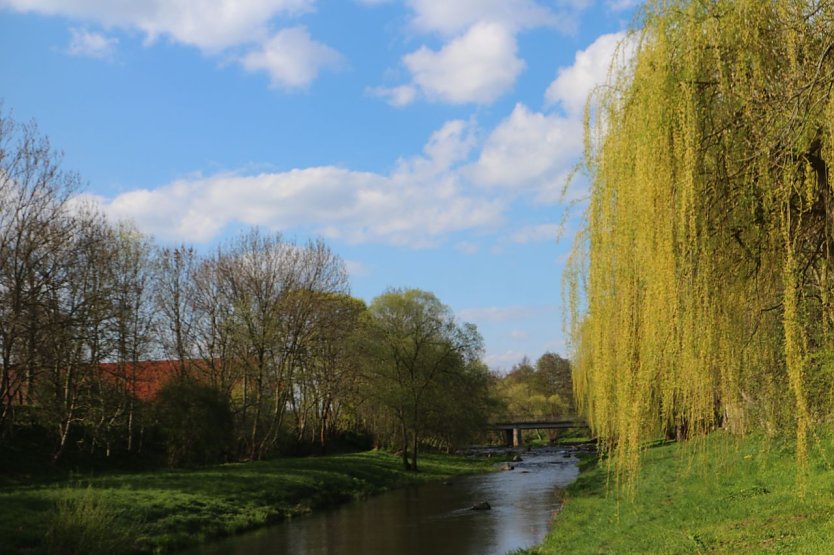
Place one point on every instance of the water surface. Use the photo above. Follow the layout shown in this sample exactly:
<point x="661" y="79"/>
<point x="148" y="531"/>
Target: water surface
<point x="428" y="519"/>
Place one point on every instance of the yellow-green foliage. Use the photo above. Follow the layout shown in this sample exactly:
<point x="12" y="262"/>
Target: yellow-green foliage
<point x="701" y="287"/>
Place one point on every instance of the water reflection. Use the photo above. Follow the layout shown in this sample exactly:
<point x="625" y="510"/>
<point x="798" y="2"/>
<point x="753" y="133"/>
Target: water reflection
<point x="432" y="518"/>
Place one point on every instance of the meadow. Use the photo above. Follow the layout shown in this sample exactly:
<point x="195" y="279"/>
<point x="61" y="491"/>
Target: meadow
<point x="161" y="511"/>
<point x="718" y="495"/>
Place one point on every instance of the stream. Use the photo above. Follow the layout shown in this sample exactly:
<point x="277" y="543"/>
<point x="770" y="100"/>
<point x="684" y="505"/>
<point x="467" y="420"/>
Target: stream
<point x="432" y="518"/>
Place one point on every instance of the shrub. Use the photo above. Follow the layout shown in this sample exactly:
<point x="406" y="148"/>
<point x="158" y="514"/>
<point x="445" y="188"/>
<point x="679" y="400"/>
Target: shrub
<point x="196" y="422"/>
<point x="83" y="523"/>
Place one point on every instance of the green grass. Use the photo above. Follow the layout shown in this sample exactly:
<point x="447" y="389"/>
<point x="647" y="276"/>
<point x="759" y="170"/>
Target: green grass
<point x="85" y="523"/>
<point x="719" y="495"/>
<point x="178" y="508"/>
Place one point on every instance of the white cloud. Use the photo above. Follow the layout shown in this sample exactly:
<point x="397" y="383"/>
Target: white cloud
<point x="90" y="44"/>
<point x="210" y="25"/>
<point x="504" y="359"/>
<point x="536" y="233"/>
<point x="450" y="144"/>
<point x="468" y="247"/>
<point x="291" y="58"/>
<point x="538" y="151"/>
<point x="396" y="96"/>
<point x="478" y="63"/>
<point x="519" y="335"/>
<point x="529" y="149"/>
<point x="505" y="313"/>
<point x="417" y="205"/>
<point x="356" y="268"/>
<point x="451" y="18"/>
<point x="590" y="68"/>
<point x="478" y="66"/>
<point x="622" y="5"/>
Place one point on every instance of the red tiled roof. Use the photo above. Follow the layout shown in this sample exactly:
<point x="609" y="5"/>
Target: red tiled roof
<point x="144" y="378"/>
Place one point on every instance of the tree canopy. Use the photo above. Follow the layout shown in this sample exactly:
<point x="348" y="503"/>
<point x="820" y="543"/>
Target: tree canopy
<point x="425" y="366"/>
<point x="540" y="391"/>
<point x="701" y="287"/>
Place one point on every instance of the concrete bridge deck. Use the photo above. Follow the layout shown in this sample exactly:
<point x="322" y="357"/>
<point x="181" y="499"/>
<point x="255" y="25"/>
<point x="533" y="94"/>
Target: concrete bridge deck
<point x="512" y="429"/>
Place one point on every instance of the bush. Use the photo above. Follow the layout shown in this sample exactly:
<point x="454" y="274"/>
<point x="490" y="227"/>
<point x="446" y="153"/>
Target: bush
<point x="84" y="524"/>
<point x="196" y="423"/>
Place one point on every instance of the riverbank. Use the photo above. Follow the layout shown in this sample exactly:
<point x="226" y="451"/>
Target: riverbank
<point x="170" y="509"/>
<point x="720" y="495"/>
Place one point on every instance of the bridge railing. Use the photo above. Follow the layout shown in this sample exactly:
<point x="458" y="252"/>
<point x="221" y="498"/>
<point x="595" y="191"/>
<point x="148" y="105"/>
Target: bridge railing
<point x="538" y="424"/>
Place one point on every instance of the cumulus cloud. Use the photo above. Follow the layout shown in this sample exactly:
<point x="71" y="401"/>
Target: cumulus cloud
<point x="291" y="58"/>
<point x="622" y="5"/>
<point x="590" y="68"/>
<point x="356" y="268"/>
<point x="207" y="24"/>
<point x="536" y="233"/>
<point x="504" y="359"/>
<point x="464" y="180"/>
<point x="451" y="18"/>
<point x="538" y="151"/>
<point x="479" y="60"/>
<point x="505" y="313"/>
<point x="89" y="44"/>
<point x="396" y="96"/>
<point x="417" y="205"/>
<point x="529" y="149"/>
<point x="478" y="66"/>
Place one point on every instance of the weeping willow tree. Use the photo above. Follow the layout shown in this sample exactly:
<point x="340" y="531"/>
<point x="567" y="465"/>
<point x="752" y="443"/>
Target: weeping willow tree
<point x="701" y="286"/>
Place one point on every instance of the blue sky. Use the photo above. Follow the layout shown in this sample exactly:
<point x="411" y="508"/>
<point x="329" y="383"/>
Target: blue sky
<point x="426" y="140"/>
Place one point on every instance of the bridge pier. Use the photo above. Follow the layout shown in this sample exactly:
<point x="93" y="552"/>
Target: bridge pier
<point x="518" y="440"/>
<point x="513" y="429"/>
<point x="513" y="438"/>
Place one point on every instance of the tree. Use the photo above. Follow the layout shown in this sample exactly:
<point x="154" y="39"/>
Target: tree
<point x="417" y="349"/>
<point x="271" y="287"/>
<point x="461" y="406"/>
<point x="76" y="316"/>
<point x="708" y="247"/>
<point x="543" y="391"/>
<point x="330" y="370"/>
<point x="34" y="229"/>
<point x="553" y="378"/>
<point x="130" y="267"/>
<point x="174" y="302"/>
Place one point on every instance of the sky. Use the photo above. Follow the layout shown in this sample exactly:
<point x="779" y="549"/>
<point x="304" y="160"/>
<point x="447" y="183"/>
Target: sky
<point x="427" y="141"/>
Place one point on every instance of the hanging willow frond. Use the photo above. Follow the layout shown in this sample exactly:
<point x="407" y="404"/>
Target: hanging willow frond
<point x="703" y="299"/>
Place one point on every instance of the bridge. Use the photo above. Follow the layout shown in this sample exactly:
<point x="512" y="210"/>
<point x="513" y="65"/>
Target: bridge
<point x="512" y="429"/>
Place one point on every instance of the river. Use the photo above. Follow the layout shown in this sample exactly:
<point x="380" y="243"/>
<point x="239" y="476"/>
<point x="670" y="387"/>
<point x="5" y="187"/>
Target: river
<point x="432" y="518"/>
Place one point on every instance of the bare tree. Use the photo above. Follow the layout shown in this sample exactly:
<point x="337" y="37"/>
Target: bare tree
<point x="77" y="313"/>
<point x="174" y="291"/>
<point x="212" y="326"/>
<point x="132" y="323"/>
<point x="33" y="228"/>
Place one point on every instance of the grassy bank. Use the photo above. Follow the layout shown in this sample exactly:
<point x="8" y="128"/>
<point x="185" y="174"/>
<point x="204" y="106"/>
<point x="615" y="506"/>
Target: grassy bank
<point x="165" y="510"/>
<point x="720" y="495"/>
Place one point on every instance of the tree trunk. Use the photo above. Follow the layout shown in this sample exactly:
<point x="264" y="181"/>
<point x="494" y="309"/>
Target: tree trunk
<point x="414" y="453"/>
<point x="406" y="464"/>
<point x="323" y="431"/>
